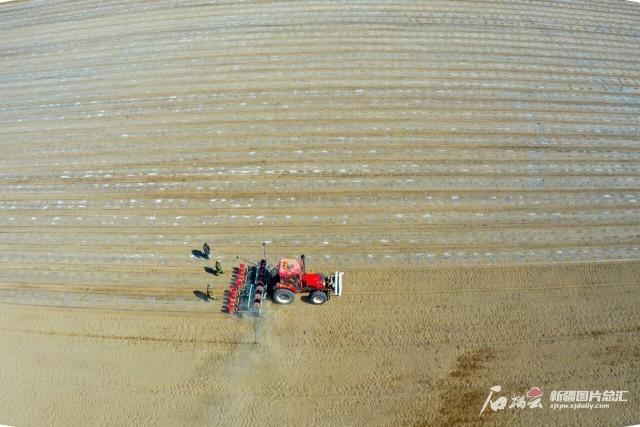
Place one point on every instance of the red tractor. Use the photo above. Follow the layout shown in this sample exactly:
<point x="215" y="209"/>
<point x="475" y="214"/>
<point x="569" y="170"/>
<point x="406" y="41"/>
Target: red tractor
<point x="289" y="277"/>
<point x="292" y="278"/>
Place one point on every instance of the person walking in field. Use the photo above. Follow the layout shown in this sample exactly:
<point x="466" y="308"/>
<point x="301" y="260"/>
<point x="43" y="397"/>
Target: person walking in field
<point x="206" y="250"/>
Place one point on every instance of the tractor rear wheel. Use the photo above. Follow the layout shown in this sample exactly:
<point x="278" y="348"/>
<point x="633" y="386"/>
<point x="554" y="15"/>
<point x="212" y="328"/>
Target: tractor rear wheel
<point x="283" y="296"/>
<point x="318" y="297"/>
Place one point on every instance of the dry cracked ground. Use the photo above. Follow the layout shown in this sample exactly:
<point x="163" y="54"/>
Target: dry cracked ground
<point x="473" y="167"/>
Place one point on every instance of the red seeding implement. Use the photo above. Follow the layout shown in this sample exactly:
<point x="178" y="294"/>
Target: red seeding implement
<point x="251" y="283"/>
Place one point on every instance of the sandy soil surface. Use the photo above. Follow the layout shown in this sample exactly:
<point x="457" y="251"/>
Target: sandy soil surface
<point x="473" y="166"/>
<point x="403" y="347"/>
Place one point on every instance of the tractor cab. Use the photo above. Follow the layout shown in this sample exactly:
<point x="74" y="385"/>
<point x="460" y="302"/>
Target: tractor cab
<point x="292" y="275"/>
<point x="290" y="272"/>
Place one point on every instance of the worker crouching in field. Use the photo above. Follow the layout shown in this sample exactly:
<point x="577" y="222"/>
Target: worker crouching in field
<point x="218" y="267"/>
<point x="210" y="293"/>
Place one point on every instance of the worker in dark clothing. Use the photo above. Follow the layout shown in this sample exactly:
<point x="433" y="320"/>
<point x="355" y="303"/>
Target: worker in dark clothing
<point x="206" y="250"/>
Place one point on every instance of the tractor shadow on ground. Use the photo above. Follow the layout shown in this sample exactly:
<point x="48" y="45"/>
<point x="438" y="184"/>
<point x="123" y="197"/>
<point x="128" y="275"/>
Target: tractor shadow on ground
<point x="305" y="299"/>
<point x="211" y="271"/>
<point x="199" y="254"/>
<point x="201" y="295"/>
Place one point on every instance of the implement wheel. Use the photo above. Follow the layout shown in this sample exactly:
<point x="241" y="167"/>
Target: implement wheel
<point x="318" y="297"/>
<point x="283" y="296"/>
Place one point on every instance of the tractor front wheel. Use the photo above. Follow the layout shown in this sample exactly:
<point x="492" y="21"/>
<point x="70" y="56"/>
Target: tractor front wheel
<point x="318" y="297"/>
<point x="283" y="296"/>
